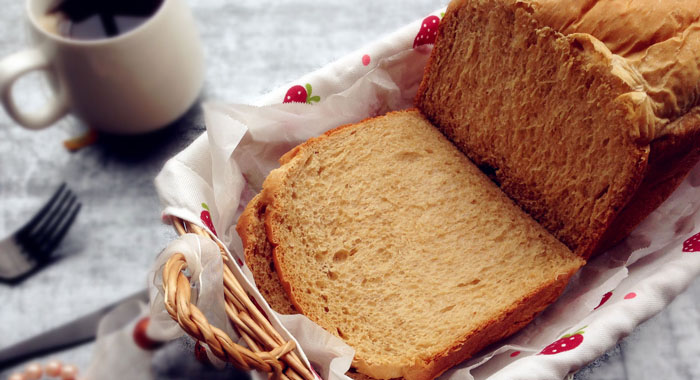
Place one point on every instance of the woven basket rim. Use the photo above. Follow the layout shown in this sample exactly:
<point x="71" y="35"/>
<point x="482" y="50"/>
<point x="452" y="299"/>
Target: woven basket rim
<point x="266" y="350"/>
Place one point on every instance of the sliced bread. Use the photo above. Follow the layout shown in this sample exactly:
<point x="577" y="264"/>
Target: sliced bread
<point x="388" y="237"/>
<point x="258" y="256"/>
<point x="562" y="103"/>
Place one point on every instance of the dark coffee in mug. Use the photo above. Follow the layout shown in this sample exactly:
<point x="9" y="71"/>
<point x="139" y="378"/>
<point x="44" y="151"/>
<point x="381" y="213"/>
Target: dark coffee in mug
<point x="97" y="19"/>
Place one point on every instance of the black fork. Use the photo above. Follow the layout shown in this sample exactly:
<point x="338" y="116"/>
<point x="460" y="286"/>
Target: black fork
<point x="38" y="238"/>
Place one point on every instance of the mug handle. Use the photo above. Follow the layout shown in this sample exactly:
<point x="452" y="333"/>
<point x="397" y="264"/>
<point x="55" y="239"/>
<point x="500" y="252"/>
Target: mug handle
<point x="11" y="69"/>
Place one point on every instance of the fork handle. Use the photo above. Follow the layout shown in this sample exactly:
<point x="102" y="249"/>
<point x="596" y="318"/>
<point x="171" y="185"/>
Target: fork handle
<point x="12" y="260"/>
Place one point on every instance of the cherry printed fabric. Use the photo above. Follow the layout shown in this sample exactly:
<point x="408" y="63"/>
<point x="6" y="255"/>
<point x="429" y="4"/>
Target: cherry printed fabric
<point x="211" y="181"/>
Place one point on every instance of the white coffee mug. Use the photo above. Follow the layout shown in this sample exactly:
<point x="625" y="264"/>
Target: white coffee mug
<point x="132" y="83"/>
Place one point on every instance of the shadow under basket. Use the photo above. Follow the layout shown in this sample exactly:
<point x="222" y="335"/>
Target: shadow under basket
<point x="267" y="351"/>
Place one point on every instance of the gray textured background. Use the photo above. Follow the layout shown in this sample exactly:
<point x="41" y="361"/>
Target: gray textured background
<point x="251" y="47"/>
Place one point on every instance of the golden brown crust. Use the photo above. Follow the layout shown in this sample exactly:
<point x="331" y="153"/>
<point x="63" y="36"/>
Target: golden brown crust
<point x="287" y="157"/>
<point x="353" y="374"/>
<point x="657" y="45"/>
<point x="246" y="222"/>
<point x="271" y="185"/>
<point x="513" y="320"/>
<point x="258" y="256"/>
<point x="670" y="160"/>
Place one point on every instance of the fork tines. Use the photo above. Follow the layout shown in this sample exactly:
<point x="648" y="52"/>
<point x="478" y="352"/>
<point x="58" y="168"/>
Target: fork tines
<point x="46" y="229"/>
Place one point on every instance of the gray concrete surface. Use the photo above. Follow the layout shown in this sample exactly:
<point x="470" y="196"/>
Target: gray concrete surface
<point x="251" y="47"/>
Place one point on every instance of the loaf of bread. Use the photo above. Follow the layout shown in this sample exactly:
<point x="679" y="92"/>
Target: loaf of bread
<point x="584" y="112"/>
<point x="388" y="237"/>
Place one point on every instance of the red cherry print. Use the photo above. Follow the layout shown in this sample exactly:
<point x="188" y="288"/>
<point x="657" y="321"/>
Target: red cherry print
<point x="365" y="59"/>
<point x="299" y="94"/>
<point x="140" y="338"/>
<point x="428" y="31"/>
<point x="605" y="299"/>
<point x="692" y="244"/>
<point x="205" y="216"/>
<point x="296" y="94"/>
<point x="630" y="295"/>
<point x="514" y="354"/>
<point x="566" y="343"/>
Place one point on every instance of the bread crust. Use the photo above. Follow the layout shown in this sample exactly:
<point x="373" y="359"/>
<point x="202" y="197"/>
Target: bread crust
<point x="671" y="158"/>
<point x="510" y="322"/>
<point x="258" y="256"/>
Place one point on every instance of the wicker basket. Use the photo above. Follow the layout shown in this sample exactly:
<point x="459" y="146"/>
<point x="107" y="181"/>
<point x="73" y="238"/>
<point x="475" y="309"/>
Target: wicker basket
<point x="267" y="351"/>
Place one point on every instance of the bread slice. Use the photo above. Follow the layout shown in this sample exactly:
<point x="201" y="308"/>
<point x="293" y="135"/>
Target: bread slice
<point x="562" y="103"/>
<point x="258" y="256"/>
<point x="385" y="235"/>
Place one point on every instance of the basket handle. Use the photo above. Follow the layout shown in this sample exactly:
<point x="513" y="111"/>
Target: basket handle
<point x="267" y="351"/>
